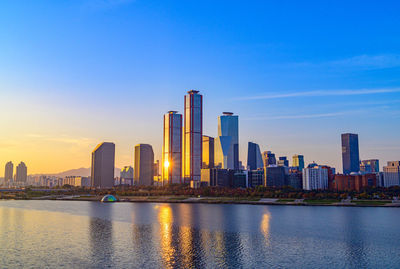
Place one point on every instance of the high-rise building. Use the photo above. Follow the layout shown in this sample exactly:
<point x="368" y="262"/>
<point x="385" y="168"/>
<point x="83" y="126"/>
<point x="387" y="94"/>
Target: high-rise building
<point x="227" y="142"/>
<point x="208" y="152"/>
<point x="126" y="175"/>
<point x="193" y="133"/>
<point x="391" y="174"/>
<point x="254" y="157"/>
<point x="350" y="154"/>
<point x="144" y="165"/>
<point x="256" y="178"/>
<point x="274" y="176"/>
<point x="103" y="163"/>
<point x="295" y="178"/>
<point x="298" y="161"/>
<point x="9" y="171"/>
<point x="369" y="166"/>
<point x="315" y="178"/>
<point x="172" y="148"/>
<point x="21" y="172"/>
<point x="283" y="161"/>
<point x="269" y="158"/>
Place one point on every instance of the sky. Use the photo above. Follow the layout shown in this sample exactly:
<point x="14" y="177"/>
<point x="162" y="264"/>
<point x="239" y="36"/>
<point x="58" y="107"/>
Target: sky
<point x="298" y="73"/>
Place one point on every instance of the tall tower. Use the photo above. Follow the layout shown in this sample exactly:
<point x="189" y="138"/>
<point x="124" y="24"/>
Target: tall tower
<point x="350" y="154"/>
<point x="227" y="142"/>
<point x="193" y="132"/>
<point x="208" y="152"/>
<point x="172" y="148"/>
<point x="144" y="165"/>
<point x="21" y="173"/>
<point x="254" y="157"/>
<point x="298" y="161"/>
<point x="8" y="172"/>
<point x="103" y="161"/>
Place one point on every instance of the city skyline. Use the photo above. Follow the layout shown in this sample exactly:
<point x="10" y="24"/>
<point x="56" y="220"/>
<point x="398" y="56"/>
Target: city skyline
<point x="294" y="89"/>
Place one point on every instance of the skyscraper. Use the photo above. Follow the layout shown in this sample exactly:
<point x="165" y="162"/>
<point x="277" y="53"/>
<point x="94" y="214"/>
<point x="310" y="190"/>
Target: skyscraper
<point x="193" y="132"/>
<point x="269" y="158"/>
<point x="208" y="152"/>
<point x="350" y="155"/>
<point x="126" y="175"/>
<point x="103" y="161"/>
<point x="21" y="172"/>
<point x="315" y="178"/>
<point x="254" y="157"/>
<point x="9" y="171"/>
<point x="227" y="142"/>
<point x="283" y="161"/>
<point x="369" y="166"/>
<point x="298" y="161"/>
<point x="172" y="148"/>
<point x="144" y="165"/>
<point x="391" y="174"/>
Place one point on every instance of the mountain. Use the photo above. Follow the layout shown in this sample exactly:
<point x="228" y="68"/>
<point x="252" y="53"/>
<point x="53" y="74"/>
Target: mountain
<point x="84" y="172"/>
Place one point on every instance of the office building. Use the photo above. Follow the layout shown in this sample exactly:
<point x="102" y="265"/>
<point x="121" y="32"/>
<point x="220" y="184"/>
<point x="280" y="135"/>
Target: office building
<point x="283" y="161"/>
<point x="103" y="163"/>
<point x="256" y="178"/>
<point x="369" y="166"/>
<point x="172" y="148"/>
<point x="354" y="182"/>
<point x="157" y="180"/>
<point x="216" y="177"/>
<point x="315" y="178"/>
<point x="295" y="178"/>
<point x="254" y="157"/>
<point x="274" y="176"/>
<point x="75" y="181"/>
<point x="391" y="174"/>
<point x="350" y="154"/>
<point x="208" y="152"/>
<point x="240" y="179"/>
<point x="21" y="173"/>
<point x="144" y="165"/>
<point x="227" y="142"/>
<point x="8" y="172"/>
<point x="298" y="161"/>
<point x="269" y="158"/>
<point x="193" y="136"/>
<point x="126" y="176"/>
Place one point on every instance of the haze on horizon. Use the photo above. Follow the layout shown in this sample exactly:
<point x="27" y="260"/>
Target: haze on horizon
<point x="76" y="73"/>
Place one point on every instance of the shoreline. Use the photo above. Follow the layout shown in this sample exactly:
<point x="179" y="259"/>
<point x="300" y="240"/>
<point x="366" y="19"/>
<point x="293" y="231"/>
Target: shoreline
<point x="220" y="200"/>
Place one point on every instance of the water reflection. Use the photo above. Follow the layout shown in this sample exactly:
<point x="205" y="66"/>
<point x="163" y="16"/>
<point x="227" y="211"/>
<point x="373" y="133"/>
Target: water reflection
<point x="264" y="226"/>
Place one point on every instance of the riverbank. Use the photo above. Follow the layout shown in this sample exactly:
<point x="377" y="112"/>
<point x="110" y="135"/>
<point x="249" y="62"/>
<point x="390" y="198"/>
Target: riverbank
<point x="225" y="200"/>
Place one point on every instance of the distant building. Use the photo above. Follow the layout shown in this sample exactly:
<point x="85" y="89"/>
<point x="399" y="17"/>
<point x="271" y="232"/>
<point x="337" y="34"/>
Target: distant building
<point x="315" y="178"/>
<point x="350" y="154"/>
<point x="193" y="133"/>
<point x="103" y="163"/>
<point x="369" y="166"/>
<point x="216" y="177"/>
<point x="255" y="178"/>
<point x="240" y="179"/>
<point x="172" y="148"/>
<point x="126" y="176"/>
<point x="227" y="143"/>
<point x="254" y="157"/>
<point x="275" y="176"/>
<point x="295" y="178"/>
<point x="208" y="152"/>
<point x="157" y="180"/>
<point x="354" y="182"/>
<point x="391" y="174"/>
<point x="283" y="161"/>
<point x="269" y="158"/>
<point x="21" y="173"/>
<point x="8" y="172"/>
<point x="298" y="161"/>
<point x="144" y="165"/>
<point x="76" y="181"/>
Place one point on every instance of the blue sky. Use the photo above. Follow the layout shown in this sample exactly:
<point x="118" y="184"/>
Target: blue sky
<point x="298" y="73"/>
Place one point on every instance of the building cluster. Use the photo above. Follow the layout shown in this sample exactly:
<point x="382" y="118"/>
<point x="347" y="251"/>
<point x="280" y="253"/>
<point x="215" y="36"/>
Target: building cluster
<point x="189" y="156"/>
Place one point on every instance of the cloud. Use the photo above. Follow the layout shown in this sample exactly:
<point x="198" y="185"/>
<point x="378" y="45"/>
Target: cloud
<point x="304" y="116"/>
<point x="319" y="93"/>
<point x="369" y="61"/>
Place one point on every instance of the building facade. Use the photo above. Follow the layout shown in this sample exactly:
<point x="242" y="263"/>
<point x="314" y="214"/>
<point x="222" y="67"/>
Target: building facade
<point x="298" y="161"/>
<point x="315" y="178"/>
<point x="256" y="178"/>
<point x="216" y="177"/>
<point x="126" y="176"/>
<point x="103" y="164"/>
<point x="227" y="142"/>
<point x="144" y="165"/>
<point x="9" y="172"/>
<point x="208" y="152"/>
<point x="76" y="181"/>
<point x="254" y="157"/>
<point x="172" y="148"/>
<point x="269" y="158"/>
<point x="391" y="174"/>
<point x="295" y="178"/>
<point x="369" y="166"/>
<point x="21" y="173"/>
<point x="350" y="153"/>
<point x="193" y="134"/>
<point x="283" y="161"/>
<point x="354" y="182"/>
<point x="275" y="176"/>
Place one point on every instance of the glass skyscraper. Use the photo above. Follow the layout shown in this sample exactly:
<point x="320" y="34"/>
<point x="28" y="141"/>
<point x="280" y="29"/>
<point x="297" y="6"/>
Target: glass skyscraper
<point x="227" y="142"/>
<point x="193" y="135"/>
<point x="350" y="154"/>
<point x="254" y="157"/>
<point x="172" y="148"/>
<point x="298" y="161"/>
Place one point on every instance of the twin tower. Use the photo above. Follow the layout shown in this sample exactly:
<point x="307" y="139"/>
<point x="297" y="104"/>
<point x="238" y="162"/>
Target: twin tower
<point x="182" y="148"/>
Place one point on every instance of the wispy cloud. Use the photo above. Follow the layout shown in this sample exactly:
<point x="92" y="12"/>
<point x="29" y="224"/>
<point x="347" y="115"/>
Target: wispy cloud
<point x="319" y="93"/>
<point x="305" y="116"/>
